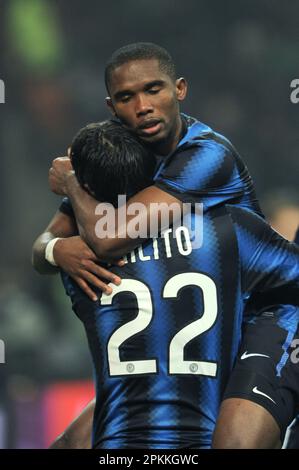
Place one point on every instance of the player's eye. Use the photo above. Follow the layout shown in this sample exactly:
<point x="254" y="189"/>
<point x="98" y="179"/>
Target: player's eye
<point x="125" y="98"/>
<point x="154" y="90"/>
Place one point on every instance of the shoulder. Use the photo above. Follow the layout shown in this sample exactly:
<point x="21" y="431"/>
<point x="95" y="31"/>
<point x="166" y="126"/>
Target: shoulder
<point x="199" y="133"/>
<point x="253" y="227"/>
<point x="201" y="141"/>
<point x="247" y="219"/>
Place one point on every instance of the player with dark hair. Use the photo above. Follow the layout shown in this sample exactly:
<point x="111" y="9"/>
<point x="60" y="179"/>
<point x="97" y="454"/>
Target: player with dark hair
<point x="160" y="375"/>
<point x="112" y="161"/>
<point x="197" y="164"/>
<point x="140" y="51"/>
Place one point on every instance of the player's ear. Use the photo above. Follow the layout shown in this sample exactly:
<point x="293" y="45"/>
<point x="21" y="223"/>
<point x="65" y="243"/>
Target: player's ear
<point x="110" y="105"/>
<point x="181" y="88"/>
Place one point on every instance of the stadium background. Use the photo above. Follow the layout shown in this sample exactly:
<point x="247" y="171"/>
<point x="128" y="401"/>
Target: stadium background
<point x="239" y="59"/>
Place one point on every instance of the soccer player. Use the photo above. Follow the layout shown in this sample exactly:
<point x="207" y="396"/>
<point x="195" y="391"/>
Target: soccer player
<point x="192" y="157"/>
<point x="293" y="438"/>
<point x="196" y="164"/>
<point x="161" y="374"/>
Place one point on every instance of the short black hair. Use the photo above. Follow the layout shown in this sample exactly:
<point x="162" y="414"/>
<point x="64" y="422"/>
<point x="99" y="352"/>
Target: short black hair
<point x="140" y="51"/>
<point x="111" y="161"/>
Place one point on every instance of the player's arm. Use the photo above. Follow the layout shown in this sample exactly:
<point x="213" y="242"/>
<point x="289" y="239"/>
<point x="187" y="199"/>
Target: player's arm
<point x="125" y="240"/>
<point x="78" y="434"/>
<point x="63" y="181"/>
<point x="207" y="172"/>
<point x="270" y="264"/>
<point x="72" y="255"/>
<point x="62" y="226"/>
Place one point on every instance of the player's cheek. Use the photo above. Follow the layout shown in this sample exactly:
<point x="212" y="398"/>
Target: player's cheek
<point x="126" y="116"/>
<point x="171" y="110"/>
<point x="166" y="107"/>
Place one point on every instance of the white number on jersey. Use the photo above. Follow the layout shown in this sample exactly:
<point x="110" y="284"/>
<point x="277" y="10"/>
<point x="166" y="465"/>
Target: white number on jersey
<point x="177" y="364"/>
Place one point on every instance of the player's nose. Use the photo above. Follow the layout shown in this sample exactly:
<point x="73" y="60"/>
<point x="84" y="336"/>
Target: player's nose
<point x="143" y="105"/>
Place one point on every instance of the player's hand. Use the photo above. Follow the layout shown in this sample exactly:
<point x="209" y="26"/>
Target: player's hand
<point x="60" y="170"/>
<point x="79" y="261"/>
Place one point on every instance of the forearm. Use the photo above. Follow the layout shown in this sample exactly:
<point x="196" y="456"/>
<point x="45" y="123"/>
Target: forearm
<point x="61" y="226"/>
<point x="107" y="248"/>
<point x="39" y="262"/>
<point x="84" y="207"/>
<point x="114" y="232"/>
<point x="66" y="441"/>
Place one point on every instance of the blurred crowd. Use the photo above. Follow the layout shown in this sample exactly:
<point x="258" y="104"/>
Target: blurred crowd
<point x="239" y="61"/>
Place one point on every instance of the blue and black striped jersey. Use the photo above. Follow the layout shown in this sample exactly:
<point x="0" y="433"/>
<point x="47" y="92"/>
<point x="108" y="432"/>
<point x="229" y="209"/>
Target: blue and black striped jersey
<point x="206" y="168"/>
<point x="164" y="344"/>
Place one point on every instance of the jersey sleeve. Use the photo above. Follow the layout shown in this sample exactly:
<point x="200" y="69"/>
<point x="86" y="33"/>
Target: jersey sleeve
<point x="269" y="263"/>
<point x="209" y="171"/>
<point x="66" y="207"/>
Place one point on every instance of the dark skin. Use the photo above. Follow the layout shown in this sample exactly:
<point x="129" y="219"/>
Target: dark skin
<point x="140" y="95"/>
<point x="249" y="422"/>
<point x="157" y="98"/>
<point x="60" y="226"/>
<point x="72" y="255"/>
<point x="84" y="205"/>
<point x="78" y="433"/>
<point x="147" y="102"/>
<point x="243" y="424"/>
